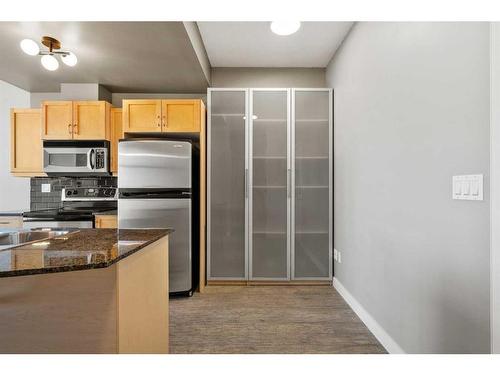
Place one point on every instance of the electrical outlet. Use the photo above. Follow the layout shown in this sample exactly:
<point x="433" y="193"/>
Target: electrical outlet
<point x="339" y="257"/>
<point x="45" y="188"/>
<point x="335" y="254"/>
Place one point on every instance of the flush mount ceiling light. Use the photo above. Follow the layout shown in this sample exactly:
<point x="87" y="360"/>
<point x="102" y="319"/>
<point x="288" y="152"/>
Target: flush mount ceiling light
<point x="48" y="59"/>
<point x="285" y="27"/>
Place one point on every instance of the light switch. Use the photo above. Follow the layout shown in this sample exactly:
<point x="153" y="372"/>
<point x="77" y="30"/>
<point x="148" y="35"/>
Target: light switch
<point x="45" y="188"/>
<point x="468" y="187"/>
<point x="475" y="188"/>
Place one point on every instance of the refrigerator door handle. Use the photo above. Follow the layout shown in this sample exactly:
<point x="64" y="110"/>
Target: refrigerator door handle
<point x="246" y="183"/>
<point x="289" y="182"/>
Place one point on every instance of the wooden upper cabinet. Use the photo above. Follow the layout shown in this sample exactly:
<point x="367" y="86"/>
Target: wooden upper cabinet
<point x="76" y="119"/>
<point x="167" y="115"/>
<point x="91" y="120"/>
<point x="116" y="134"/>
<point x="142" y="116"/>
<point x="26" y="142"/>
<point x="57" y="119"/>
<point x="179" y="115"/>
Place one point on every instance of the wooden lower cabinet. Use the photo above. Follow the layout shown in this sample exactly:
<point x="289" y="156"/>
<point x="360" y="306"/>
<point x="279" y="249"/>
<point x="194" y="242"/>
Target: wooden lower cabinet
<point x="11" y="221"/>
<point x="122" y="308"/>
<point x="106" y="221"/>
<point x="26" y="142"/>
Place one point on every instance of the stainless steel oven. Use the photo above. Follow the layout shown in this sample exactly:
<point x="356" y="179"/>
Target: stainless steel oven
<point x="75" y="158"/>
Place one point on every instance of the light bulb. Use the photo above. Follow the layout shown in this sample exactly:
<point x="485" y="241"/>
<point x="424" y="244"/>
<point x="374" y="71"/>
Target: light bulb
<point x="49" y="62"/>
<point x="69" y="59"/>
<point x="285" y="27"/>
<point x="29" y="47"/>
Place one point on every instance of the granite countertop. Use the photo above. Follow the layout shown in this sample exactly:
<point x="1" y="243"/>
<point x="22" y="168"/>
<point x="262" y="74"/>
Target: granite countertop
<point x="80" y="250"/>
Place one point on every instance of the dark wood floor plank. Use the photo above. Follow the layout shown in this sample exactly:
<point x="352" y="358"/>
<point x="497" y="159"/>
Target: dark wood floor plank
<point x="268" y="319"/>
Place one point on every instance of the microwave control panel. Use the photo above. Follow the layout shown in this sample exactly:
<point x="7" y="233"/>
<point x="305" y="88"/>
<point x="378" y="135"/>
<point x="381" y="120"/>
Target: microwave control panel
<point x="100" y="159"/>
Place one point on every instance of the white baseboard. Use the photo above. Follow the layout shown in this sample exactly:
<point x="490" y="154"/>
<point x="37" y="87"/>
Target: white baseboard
<point x="376" y="329"/>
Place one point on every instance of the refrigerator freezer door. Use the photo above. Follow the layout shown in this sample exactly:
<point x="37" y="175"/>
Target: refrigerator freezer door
<point x="164" y="213"/>
<point x="154" y="164"/>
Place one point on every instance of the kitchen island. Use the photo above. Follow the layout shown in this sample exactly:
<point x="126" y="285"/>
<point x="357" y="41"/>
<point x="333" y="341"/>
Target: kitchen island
<point x="90" y="291"/>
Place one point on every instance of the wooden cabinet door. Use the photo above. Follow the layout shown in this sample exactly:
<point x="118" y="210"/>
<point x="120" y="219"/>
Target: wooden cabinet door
<point x="181" y="115"/>
<point x="141" y="116"/>
<point x="11" y="221"/>
<point x="106" y="221"/>
<point x="57" y="119"/>
<point x="91" y="119"/>
<point x="26" y="141"/>
<point x="116" y="134"/>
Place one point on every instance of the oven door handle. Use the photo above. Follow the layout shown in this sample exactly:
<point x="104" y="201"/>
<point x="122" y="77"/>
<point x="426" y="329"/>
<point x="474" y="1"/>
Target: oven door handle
<point x="91" y="159"/>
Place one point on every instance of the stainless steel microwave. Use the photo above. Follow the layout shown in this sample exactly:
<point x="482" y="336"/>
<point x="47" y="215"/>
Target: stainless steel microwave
<point x="76" y="158"/>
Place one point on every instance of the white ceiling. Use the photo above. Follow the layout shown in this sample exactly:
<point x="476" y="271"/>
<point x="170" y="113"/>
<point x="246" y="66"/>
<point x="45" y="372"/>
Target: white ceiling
<point x="253" y="44"/>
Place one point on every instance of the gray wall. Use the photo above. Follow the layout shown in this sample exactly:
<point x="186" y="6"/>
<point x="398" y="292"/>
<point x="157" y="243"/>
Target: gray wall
<point x="495" y="187"/>
<point x="411" y="111"/>
<point x="72" y="91"/>
<point x="14" y="191"/>
<point x="268" y="77"/>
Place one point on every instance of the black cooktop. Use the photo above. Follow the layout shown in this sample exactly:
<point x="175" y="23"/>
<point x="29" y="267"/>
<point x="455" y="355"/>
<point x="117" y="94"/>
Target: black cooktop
<point x="72" y="211"/>
<point x="67" y="214"/>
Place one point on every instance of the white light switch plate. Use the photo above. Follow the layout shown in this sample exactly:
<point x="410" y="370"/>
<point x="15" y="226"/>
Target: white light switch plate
<point x="468" y="187"/>
<point x="45" y="188"/>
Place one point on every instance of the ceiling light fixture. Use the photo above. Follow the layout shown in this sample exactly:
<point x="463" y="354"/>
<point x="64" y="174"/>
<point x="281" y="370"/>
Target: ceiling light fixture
<point x="285" y="27"/>
<point x="30" y="47"/>
<point x="49" y="62"/>
<point x="48" y="59"/>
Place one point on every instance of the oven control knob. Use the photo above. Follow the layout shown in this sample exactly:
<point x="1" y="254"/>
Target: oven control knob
<point x="69" y="192"/>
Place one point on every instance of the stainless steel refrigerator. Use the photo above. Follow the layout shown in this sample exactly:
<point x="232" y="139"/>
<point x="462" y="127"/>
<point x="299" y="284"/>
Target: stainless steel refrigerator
<point x="157" y="183"/>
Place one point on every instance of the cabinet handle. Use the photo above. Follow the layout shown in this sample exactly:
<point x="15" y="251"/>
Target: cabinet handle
<point x="246" y="183"/>
<point x="159" y="122"/>
<point x="164" y="123"/>
<point x="289" y="182"/>
<point x="70" y="129"/>
<point x="75" y="126"/>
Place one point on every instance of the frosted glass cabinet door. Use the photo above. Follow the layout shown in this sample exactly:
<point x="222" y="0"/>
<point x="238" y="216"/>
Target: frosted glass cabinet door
<point x="226" y="195"/>
<point x="312" y="179"/>
<point x="268" y="248"/>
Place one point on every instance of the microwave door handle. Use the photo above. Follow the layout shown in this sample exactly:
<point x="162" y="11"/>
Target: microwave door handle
<point x="91" y="156"/>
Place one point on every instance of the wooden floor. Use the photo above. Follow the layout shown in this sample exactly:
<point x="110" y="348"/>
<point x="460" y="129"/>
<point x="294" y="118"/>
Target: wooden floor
<point x="267" y="319"/>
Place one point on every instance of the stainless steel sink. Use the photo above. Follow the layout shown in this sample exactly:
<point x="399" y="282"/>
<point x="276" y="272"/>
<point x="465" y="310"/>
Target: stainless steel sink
<point x="20" y="237"/>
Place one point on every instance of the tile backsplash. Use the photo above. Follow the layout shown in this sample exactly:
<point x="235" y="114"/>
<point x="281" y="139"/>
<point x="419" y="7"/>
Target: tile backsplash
<point x="41" y="201"/>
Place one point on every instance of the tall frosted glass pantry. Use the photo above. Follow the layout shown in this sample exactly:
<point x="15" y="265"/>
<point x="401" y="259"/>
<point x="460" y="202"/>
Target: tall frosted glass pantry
<point x="227" y="194"/>
<point x="269" y="196"/>
<point x="269" y="184"/>
<point x="312" y="182"/>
